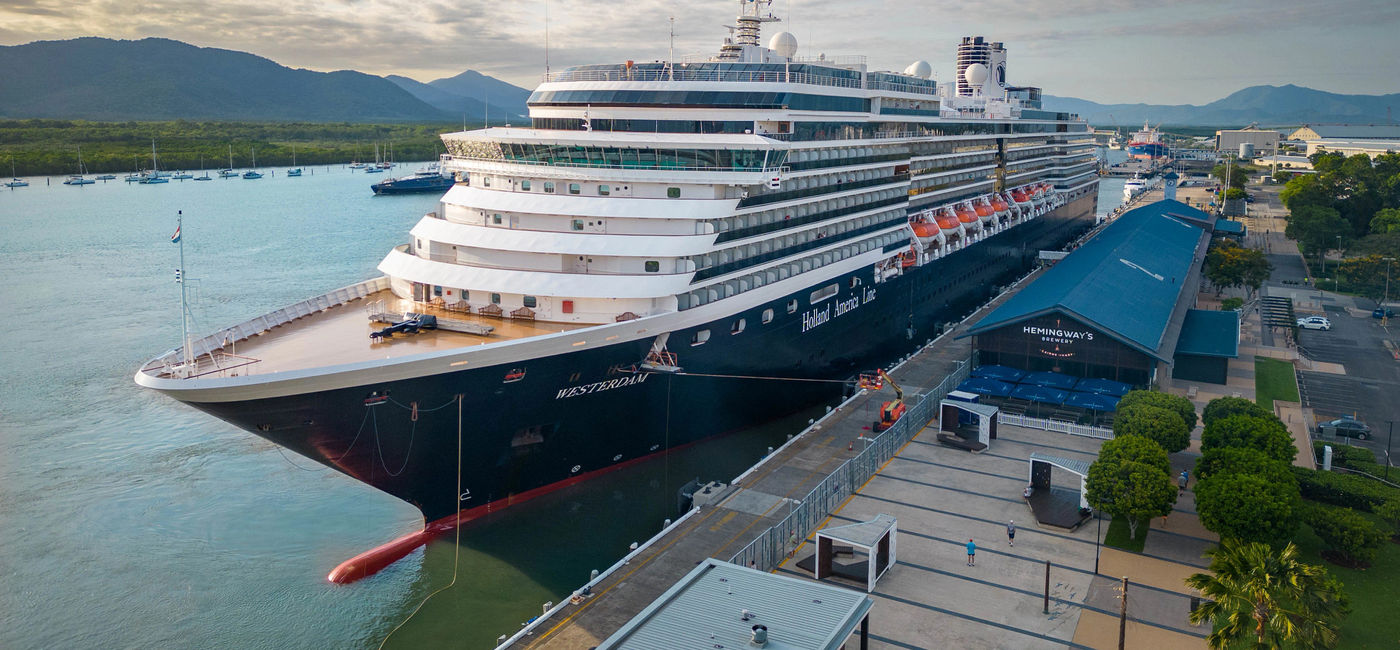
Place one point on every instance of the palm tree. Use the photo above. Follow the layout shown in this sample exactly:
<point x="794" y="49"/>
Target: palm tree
<point x="1262" y="598"/>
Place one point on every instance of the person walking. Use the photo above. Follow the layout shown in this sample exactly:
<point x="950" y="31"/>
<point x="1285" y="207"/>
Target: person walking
<point x="1011" y="532"/>
<point x="1181" y="481"/>
<point x="971" y="553"/>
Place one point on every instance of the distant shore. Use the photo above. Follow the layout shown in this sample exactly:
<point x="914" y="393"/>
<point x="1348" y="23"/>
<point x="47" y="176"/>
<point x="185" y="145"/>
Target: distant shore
<point x="50" y="147"/>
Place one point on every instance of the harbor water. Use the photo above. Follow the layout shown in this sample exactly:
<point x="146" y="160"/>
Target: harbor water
<point x="129" y="520"/>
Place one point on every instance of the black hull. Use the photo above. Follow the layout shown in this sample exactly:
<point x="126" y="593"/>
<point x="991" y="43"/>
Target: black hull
<point x="573" y="414"/>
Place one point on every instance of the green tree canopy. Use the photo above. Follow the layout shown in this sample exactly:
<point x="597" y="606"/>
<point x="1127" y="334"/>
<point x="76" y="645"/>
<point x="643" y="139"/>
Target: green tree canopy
<point x="1230" y="265"/>
<point x="1316" y="228"/>
<point x="1222" y="407"/>
<point x="1237" y="177"/>
<point x="1131" y="479"/>
<point x="1242" y="460"/>
<point x="1366" y="275"/>
<point x="1137" y="449"/>
<point x="1247" y="507"/>
<point x="1386" y="220"/>
<point x="1267" y="434"/>
<point x="1177" y="403"/>
<point x="1160" y="425"/>
<point x="1264" y="598"/>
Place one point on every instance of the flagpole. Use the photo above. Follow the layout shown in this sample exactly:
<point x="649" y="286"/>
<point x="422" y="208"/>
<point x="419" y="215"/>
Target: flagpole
<point x="184" y="310"/>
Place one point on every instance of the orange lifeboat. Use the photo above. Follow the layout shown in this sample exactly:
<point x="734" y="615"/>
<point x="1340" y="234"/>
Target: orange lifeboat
<point x="947" y="221"/>
<point x="999" y="204"/>
<point x="1019" y="195"/>
<point x="924" y="229"/>
<point x="983" y="209"/>
<point x="907" y="258"/>
<point x="966" y="214"/>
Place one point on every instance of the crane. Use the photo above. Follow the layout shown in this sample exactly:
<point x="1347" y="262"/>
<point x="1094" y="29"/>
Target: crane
<point x="891" y="411"/>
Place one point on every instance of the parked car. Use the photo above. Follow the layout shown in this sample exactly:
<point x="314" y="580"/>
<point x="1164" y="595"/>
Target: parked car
<point x="1347" y="427"/>
<point x="1383" y="312"/>
<point x="1315" y="323"/>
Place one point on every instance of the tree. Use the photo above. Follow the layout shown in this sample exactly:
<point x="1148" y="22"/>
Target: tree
<point x="1386" y="220"/>
<point x="1351" y="539"/>
<point x="1230" y="265"/>
<point x="1364" y="275"/>
<point x="1389" y="512"/>
<point x="1236" y="176"/>
<point x="1162" y="426"/>
<point x="1316" y="228"/>
<point x="1223" y="407"/>
<point x="1267" y="597"/>
<point x="1267" y="434"/>
<point x="1247" y="507"/>
<point x="1242" y="460"/>
<point x="1304" y="190"/>
<point x="1131" y="479"/>
<point x="1177" y="403"/>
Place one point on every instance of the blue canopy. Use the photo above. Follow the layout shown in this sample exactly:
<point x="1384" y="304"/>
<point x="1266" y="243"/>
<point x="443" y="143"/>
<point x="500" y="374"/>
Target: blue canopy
<point x="1040" y="394"/>
<point x="1092" y="401"/>
<point x="986" y="386"/>
<point x="1050" y="380"/>
<point x="1103" y="387"/>
<point x="1004" y="373"/>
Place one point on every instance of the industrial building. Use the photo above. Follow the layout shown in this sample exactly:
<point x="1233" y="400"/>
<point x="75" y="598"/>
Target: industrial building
<point x="1264" y="141"/>
<point x="1119" y="307"/>
<point x="1349" y="139"/>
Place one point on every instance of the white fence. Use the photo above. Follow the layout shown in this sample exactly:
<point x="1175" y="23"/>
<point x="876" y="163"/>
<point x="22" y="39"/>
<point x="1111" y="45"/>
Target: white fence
<point x="1057" y="426"/>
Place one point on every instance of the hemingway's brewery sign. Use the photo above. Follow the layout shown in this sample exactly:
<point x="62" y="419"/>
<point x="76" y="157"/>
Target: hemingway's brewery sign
<point x="1057" y="340"/>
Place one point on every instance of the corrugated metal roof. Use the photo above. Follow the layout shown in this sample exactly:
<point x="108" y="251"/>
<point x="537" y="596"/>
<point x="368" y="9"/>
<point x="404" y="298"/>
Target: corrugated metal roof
<point x="1210" y="333"/>
<point x="1229" y="227"/>
<point x="1080" y="467"/>
<point x="1355" y="131"/>
<point x="1125" y="281"/>
<point x="866" y="533"/>
<point x="702" y="611"/>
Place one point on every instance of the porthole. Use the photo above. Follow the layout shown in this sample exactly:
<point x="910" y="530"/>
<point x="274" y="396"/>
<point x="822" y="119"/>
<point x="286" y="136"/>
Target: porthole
<point x="767" y="316"/>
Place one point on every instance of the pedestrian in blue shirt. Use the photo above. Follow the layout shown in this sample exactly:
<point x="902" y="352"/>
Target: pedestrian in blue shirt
<point x="1011" y="532"/>
<point x="971" y="553"/>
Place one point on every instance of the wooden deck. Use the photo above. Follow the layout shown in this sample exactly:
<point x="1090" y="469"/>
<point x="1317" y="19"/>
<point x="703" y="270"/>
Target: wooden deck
<point x="340" y="335"/>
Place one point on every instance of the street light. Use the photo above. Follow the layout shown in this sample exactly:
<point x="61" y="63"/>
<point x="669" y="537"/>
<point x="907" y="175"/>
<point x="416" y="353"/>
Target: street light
<point x="1385" y="297"/>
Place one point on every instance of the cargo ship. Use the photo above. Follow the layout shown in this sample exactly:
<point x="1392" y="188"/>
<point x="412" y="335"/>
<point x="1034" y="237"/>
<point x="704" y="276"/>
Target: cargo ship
<point x="1147" y="144"/>
<point x="642" y="266"/>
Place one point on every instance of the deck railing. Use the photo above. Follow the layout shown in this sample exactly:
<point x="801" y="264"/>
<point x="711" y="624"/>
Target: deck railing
<point x="1058" y="426"/>
<point x="203" y="348"/>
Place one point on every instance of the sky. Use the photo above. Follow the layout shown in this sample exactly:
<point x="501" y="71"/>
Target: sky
<point x="1109" y="51"/>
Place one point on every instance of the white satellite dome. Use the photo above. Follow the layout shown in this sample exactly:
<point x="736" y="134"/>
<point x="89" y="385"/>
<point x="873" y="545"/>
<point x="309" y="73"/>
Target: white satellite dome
<point x="975" y="74"/>
<point x="784" y="43"/>
<point x="920" y="69"/>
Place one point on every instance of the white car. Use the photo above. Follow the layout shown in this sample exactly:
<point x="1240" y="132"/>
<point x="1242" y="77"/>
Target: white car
<point x="1315" y="323"/>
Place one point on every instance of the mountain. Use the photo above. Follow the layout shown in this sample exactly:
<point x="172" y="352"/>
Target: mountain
<point x="499" y="93"/>
<point x="156" y="78"/>
<point x="503" y="104"/>
<point x="1268" y="105"/>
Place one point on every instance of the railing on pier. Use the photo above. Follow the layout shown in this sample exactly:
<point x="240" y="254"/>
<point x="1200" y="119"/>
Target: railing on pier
<point x="1057" y="426"/>
<point x="776" y="543"/>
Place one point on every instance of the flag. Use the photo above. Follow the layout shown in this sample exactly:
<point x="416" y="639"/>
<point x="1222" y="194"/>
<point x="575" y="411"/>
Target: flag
<point x="175" y="238"/>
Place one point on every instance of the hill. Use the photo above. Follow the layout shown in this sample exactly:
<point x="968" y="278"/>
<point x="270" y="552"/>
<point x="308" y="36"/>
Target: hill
<point x="469" y="96"/>
<point x="1268" y="105"/>
<point x="155" y="79"/>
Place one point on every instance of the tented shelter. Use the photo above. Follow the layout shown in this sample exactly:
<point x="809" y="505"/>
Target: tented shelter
<point x="876" y="537"/>
<point x="980" y="425"/>
<point x="1003" y="373"/>
<point x="1092" y="401"/>
<point x="1042" y="394"/>
<point x="1102" y="387"/>
<point x="1049" y="380"/>
<point x="986" y="386"/>
<point x="1053" y="506"/>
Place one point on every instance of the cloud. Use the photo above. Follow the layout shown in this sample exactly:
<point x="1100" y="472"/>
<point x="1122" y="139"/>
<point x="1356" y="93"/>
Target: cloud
<point x="1108" y="50"/>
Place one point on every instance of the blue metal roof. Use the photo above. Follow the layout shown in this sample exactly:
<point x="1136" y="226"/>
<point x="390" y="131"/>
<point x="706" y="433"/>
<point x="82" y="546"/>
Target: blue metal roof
<point x="1125" y="281"/>
<point x="1209" y="333"/>
<point x="1229" y="227"/>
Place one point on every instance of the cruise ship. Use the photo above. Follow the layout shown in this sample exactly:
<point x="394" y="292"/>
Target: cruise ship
<point x="631" y="271"/>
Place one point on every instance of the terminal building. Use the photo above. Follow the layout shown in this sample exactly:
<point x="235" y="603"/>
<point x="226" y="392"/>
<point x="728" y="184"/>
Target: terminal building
<point x="1263" y="141"/>
<point x="1120" y="307"/>
<point x="1349" y="139"/>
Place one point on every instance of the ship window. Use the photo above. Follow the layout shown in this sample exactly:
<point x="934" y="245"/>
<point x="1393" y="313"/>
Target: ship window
<point x="531" y="302"/>
<point x="496" y="219"/>
<point x="653" y="266"/>
<point x="700" y="337"/>
<point x="465" y="295"/>
<point x="823" y="293"/>
<point x="437" y="290"/>
<point x="792" y="306"/>
<point x="525" y="186"/>
<point x="576" y="224"/>
<point x="673" y="192"/>
<point x="486" y="181"/>
<point x="575" y="188"/>
<point x="738" y="326"/>
<point x="767" y="316"/>
<point x="603" y="190"/>
<point x="495" y="298"/>
<point x="548" y="187"/>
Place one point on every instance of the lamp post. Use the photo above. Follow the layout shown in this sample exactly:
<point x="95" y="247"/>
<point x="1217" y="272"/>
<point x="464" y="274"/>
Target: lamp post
<point x="1098" y="514"/>
<point x="1389" y="436"/>
<point x="1385" y="297"/>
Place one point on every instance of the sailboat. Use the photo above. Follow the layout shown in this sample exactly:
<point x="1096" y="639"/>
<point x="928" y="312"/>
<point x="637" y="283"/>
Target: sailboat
<point x="79" y="179"/>
<point x="228" y="172"/>
<point x="15" y="182"/>
<point x="377" y="167"/>
<point x="135" y="175"/>
<point x="253" y="173"/>
<point x="294" y="171"/>
<point x="153" y="177"/>
<point x="205" y="176"/>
